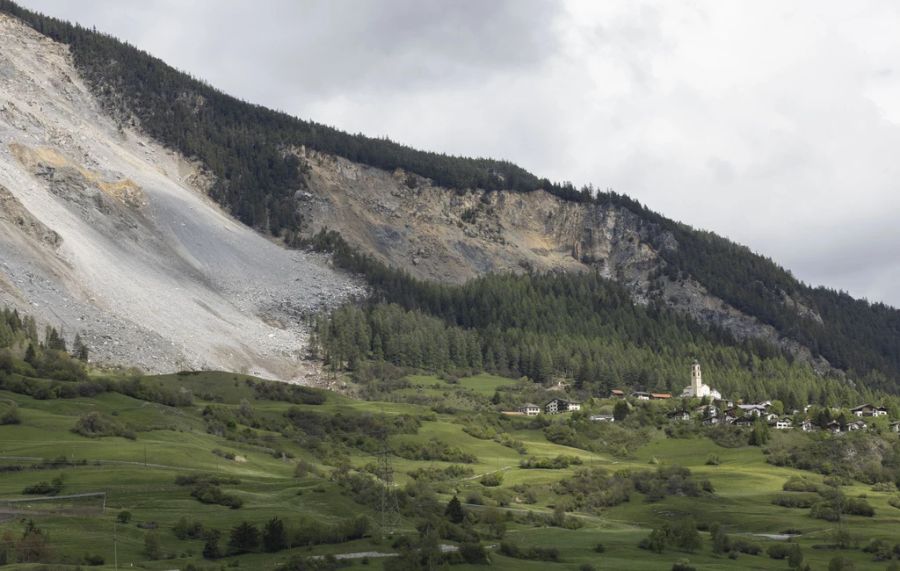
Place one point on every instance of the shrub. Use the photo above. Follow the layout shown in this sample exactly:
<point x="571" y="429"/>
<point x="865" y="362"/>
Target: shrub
<point x="492" y="480"/>
<point x="93" y="560"/>
<point x="52" y="488"/>
<point x="779" y="551"/>
<point x="797" y="484"/>
<point x="11" y="415"/>
<point x="123" y="516"/>
<point x="600" y="548"/>
<point x="858" y="506"/>
<point x="745" y="546"/>
<point x="713" y="460"/>
<point x="683" y="565"/>
<point x="841" y="564"/>
<point x="534" y="553"/>
<point x="473" y="553"/>
<point x="95" y="425"/>
<point x="796" y="500"/>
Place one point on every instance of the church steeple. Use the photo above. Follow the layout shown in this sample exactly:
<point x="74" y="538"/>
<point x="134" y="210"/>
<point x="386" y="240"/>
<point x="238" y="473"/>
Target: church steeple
<point x="696" y="377"/>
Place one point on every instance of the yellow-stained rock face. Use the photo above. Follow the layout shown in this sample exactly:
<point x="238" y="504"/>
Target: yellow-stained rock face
<point x="122" y="189"/>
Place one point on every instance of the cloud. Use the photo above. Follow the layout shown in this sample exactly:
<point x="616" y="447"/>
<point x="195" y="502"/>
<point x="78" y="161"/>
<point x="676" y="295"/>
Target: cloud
<point x="775" y="124"/>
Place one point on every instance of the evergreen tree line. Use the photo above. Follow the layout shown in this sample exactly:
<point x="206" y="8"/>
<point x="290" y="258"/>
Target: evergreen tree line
<point x="24" y="352"/>
<point x="563" y="326"/>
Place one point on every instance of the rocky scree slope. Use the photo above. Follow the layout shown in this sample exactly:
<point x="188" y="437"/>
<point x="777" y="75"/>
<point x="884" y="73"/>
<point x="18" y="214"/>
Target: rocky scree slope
<point x="103" y="232"/>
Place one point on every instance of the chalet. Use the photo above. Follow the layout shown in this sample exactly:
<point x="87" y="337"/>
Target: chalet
<point x="869" y="410"/>
<point x="895" y="426"/>
<point x="748" y="420"/>
<point x="560" y="405"/>
<point x="530" y="409"/>
<point x="753" y="409"/>
<point x="782" y="423"/>
<point x="660" y="396"/>
<point x="807" y="426"/>
<point x="682" y="415"/>
<point x="833" y="426"/>
<point x="856" y="425"/>
<point x="617" y="394"/>
<point x="602" y="418"/>
<point x="640" y="395"/>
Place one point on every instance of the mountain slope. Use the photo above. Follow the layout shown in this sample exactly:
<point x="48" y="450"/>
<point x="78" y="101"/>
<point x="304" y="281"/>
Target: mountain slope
<point x="106" y="233"/>
<point x="451" y="218"/>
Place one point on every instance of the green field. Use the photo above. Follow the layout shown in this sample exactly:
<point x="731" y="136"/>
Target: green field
<point x="139" y="476"/>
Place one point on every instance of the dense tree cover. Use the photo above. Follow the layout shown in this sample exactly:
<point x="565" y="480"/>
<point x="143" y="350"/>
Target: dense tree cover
<point x="247" y="148"/>
<point x="577" y="326"/>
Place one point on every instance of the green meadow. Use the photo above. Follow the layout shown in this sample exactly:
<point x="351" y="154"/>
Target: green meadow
<point x="258" y="466"/>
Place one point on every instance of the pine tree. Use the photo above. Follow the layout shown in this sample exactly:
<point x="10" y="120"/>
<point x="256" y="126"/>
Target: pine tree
<point x="244" y="538"/>
<point x="274" y="537"/>
<point x="455" y="512"/>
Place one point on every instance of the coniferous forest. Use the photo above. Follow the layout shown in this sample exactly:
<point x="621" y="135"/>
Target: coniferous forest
<point x="247" y="149"/>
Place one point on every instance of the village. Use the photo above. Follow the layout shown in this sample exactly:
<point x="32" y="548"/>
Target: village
<point x="714" y="409"/>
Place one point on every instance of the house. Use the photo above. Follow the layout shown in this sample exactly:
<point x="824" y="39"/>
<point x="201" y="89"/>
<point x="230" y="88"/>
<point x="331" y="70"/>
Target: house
<point x="895" y="426"/>
<point x="807" y="426"/>
<point x="682" y="415"/>
<point x="660" y="396"/>
<point x="833" y="426"/>
<point x="782" y="423"/>
<point x="560" y="405"/>
<point x="602" y="418"/>
<point x="640" y="395"/>
<point x="869" y="410"/>
<point x="617" y="394"/>
<point x="753" y="409"/>
<point x="856" y="425"/>
<point x="530" y="409"/>
<point x="748" y="420"/>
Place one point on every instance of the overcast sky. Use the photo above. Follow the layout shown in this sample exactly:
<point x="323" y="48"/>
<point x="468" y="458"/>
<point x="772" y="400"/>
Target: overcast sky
<point x="774" y="123"/>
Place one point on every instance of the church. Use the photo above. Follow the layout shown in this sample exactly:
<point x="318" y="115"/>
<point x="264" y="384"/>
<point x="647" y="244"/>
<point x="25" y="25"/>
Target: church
<point x="697" y="389"/>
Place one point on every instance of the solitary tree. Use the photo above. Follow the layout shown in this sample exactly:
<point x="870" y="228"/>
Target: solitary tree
<point x="274" y="537"/>
<point x="455" y="512"/>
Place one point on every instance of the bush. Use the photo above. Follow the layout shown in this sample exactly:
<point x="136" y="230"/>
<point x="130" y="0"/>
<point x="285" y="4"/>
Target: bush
<point x="93" y="560"/>
<point x="52" y="488"/>
<point x="779" y="551"/>
<point x="858" y="506"/>
<point x="95" y="425"/>
<point x="208" y="493"/>
<point x="797" y="484"/>
<point x="744" y="546"/>
<point x="473" y="553"/>
<point x="796" y="500"/>
<point x="492" y="480"/>
<point x="713" y="460"/>
<point x="683" y="565"/>
<point x="533" y="553"/>
<point x="11" y="415"/>
<point x="600" y="548"/>
<point x="123" y="516"/>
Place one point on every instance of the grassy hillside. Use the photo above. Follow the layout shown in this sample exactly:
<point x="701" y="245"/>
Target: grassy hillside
<point x="214" y="437"/>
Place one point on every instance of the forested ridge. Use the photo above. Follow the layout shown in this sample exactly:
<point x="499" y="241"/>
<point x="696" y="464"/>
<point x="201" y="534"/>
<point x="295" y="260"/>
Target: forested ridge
<point x="246" y="147"/>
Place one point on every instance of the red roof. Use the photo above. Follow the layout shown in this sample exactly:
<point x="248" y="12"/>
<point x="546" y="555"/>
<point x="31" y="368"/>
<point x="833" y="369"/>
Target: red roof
<point x="661" y="395"/>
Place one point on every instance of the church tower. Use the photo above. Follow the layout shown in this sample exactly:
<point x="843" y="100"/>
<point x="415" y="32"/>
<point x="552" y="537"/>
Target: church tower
<point x="696" y="378"/>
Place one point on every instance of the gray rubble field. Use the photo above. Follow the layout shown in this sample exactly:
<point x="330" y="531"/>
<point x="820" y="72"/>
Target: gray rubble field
<point x="105" y="233"/>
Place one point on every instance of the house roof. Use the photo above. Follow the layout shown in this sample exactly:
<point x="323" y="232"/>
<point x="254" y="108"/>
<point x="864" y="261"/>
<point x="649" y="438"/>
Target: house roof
<point x="661" y="395"/>
<point x="530" y="405"/>
<point x="618" y="392"/>
<point x="861" y="407"/>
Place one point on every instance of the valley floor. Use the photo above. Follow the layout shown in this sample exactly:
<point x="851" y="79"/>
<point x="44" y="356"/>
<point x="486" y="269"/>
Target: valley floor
<point x="259" y="467"/>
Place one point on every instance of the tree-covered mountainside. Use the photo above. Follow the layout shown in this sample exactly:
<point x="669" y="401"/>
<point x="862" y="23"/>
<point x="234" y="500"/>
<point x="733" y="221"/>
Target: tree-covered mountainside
<point x="580" y="327"/>
<point x="256" y="176"/>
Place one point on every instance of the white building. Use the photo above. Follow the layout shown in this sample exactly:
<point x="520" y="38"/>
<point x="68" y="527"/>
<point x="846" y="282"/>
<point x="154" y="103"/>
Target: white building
<point x="530" y="409"/>
<point x="697" y="389"/>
